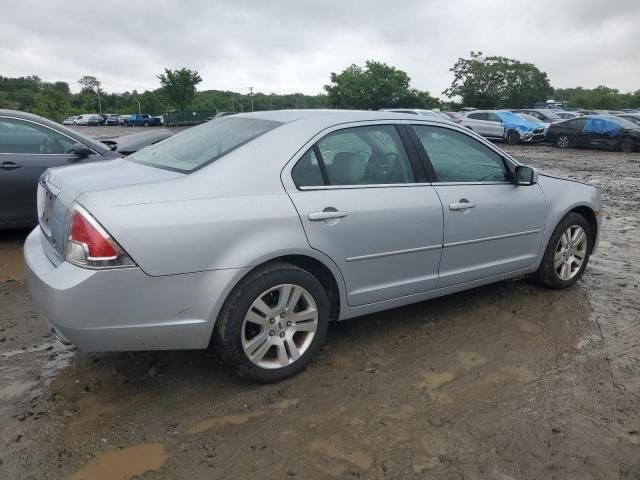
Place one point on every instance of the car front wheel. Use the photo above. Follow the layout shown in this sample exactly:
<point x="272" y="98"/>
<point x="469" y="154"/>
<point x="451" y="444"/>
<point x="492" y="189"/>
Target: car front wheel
<point x="273" y="323"/>
<point x="567" y="253"/>
<point x="513" y="137"/>
<point x="627" y="145"/>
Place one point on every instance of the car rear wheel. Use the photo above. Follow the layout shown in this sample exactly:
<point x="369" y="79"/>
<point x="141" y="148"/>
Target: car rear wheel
<point x="273" y="323"/>
<point x="513" y="137"/>
<point x="627" y="145"/>
<point x="567" y="253"/>
<point x="563" y="141"/>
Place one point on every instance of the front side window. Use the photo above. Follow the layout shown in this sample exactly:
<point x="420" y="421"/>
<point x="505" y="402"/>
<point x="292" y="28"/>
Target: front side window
<point x="198" y="146"/>
<point x="18" y="136"/>
<point x="457" y="157"/>
<point x="365" y="156"/>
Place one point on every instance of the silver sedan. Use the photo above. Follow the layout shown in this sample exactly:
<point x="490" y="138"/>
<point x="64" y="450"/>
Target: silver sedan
<point x="249" y="233"/>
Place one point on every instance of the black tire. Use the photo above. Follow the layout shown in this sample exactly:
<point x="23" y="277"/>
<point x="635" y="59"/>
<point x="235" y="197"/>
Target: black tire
<point x="546" y="272"/>
<point x="145" y="124"/>
<point x="627" y="145"/>
<point x="227" y="337"/>
<point x="563" y="141"/>
<point x="513" y="137"/>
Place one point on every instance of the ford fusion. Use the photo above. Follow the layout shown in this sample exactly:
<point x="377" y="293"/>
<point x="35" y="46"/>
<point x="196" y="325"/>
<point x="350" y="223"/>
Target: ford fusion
<point x="249" y="233"/>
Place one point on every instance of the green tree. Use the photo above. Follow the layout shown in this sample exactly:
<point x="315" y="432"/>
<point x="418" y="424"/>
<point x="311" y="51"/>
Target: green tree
<point x="50" y="103"/>
<point x="497" y="82"/>
<point x="179" y="86"/>
<point x="601" y="97"/>
<point x="374" y="86"/>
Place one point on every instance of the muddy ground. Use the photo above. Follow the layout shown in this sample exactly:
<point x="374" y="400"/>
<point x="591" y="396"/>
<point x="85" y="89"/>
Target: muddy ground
<point x="508" y="381"/>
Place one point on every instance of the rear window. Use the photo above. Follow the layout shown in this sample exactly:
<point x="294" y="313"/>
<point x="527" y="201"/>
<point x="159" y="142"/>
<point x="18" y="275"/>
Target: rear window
<point x="198" y="146"/>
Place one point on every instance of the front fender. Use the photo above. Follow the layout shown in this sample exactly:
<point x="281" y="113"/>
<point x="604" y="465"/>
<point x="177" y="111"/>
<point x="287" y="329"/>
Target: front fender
<point x="562" y="196"/>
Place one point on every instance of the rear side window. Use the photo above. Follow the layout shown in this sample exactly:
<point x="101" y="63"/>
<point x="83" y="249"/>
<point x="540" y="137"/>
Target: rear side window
<point x="457" y="157"/>
<point x="307" y="172"/>
<point x="371" y="155"/>
<point x="198" y="146"/>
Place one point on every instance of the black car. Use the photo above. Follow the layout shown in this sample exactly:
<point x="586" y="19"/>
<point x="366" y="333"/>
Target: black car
<point x="30" y="144"/>
<point x="596" y="131"/>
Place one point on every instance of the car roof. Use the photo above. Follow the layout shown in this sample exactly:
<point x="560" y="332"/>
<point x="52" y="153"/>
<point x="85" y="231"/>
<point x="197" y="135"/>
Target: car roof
<point x="330" y="117"/>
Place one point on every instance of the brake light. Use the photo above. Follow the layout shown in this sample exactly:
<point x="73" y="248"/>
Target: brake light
<point x="89" y="245"/>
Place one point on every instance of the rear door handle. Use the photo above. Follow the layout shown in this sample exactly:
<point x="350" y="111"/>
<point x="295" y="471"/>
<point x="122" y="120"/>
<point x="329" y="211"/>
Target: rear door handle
<point x="462" y="205"/>
<point x="326" y="215"/>
<point x="10" y="165"/>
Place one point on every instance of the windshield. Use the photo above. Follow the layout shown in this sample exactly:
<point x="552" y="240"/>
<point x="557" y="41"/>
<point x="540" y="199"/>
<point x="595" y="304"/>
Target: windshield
<point x="552" y="115"/>
<point x="198" y="146"/>
<point x="528" y="118"/>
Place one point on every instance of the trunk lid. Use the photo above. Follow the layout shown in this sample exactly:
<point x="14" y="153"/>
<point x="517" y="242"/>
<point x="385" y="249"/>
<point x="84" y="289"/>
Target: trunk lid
<point x="59" y="187"/>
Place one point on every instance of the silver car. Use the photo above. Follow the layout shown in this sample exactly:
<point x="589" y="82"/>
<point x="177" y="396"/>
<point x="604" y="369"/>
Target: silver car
<point x="251" y="232"/>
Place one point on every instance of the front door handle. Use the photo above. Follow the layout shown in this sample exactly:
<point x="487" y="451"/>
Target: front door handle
<point x="10" y="166"/>
<point x="326" y="214"/>
<point x="462" y="205"/>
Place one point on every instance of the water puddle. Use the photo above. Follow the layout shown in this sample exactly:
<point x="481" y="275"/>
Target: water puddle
<point x="471" y="359"/>
<point x="11" y="264"/>
<point x="238" y="419"/>
<point x="359" y="459"/>
<point x="123" y="464"/>
<point x="521" y="374"/>
<point x="434" y="380"/>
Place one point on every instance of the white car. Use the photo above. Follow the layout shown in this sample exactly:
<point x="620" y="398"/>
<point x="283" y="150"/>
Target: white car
<point x="87" y="119"/>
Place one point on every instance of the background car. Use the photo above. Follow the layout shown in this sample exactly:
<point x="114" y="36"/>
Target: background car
<point x="68" y="120"/>
<point x="567" y="115"/>
<point x="534" y="120"/>
<point x="338" y="214"/>
<point x="631" y="117"/>
<point x="502" y="125"/>
<point x="545" y="115"/>
<point x="142" y="120"/>
<point x="419" y="111"/>
<point x="111" y="119"/>
<point x="87" y="119"/>
<point x="30" y="144"/>
<point x="596" y="131"/>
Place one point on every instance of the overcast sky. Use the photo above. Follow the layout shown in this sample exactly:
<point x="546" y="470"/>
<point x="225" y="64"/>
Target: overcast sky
<point x="286" y="46"/>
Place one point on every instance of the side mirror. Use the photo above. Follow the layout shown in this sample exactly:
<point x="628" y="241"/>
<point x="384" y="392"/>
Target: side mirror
<point x="80" y="150"/>
<point x="526" y="175"/>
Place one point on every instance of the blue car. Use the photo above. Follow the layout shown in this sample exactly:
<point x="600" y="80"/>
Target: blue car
<point x="503" y="125"/>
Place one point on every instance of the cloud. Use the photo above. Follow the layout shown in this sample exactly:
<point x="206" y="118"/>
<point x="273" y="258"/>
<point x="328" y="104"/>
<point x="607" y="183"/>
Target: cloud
<point x="284" y="46"/>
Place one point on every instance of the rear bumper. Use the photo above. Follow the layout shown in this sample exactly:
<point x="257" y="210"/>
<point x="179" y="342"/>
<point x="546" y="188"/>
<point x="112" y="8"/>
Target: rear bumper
<point x="125" y="309"/>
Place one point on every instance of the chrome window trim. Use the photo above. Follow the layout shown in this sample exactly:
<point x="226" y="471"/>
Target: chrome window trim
<point x="450" y="184"/>
<point x="392" y="253"/>
<point x="488" y="239"/>
<point x="48" y="128"/>
<point x="368" y="185"/>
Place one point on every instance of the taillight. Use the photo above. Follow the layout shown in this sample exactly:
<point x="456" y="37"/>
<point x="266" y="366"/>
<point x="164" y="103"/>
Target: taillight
<point x="89" y="245"/>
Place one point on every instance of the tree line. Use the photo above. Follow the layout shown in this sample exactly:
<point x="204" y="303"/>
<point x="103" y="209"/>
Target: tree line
<point x="478" y="81"/>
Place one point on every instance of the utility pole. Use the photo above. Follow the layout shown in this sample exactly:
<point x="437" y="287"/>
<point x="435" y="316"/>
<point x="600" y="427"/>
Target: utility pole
<point x="139" y="108"/>
<point x="251" y="95"/>
<point x="99" y="102"/>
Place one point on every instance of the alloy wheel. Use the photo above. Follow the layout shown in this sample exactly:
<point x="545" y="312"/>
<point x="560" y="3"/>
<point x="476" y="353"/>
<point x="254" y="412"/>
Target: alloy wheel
<point x="570" y="252"/>
<point x="563" y="141"/>
<point x="279" y="326"/>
